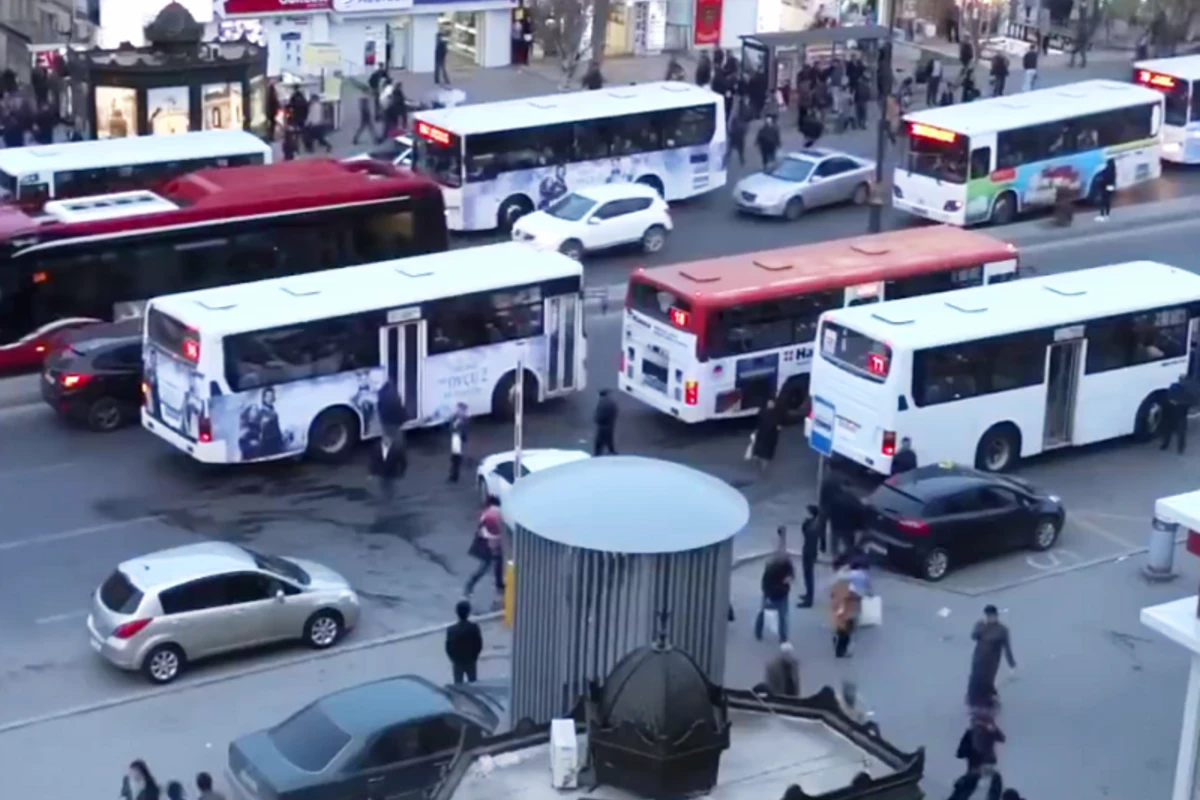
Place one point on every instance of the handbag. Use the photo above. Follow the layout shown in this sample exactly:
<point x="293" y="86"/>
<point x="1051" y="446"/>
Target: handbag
<point x="479" y="549"/>
<point x="771" y="621"/>
<point x="870" y="614"/>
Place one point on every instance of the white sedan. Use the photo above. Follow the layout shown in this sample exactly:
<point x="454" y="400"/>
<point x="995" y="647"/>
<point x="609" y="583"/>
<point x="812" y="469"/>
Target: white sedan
<point x="397" y="151"/>
<point x="495" y="472"/>
<point x="599" y="217"/>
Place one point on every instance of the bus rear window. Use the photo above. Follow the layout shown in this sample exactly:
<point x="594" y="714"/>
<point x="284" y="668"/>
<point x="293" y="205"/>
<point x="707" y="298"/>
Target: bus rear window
<point x="855" y="352"/>
<point x="936" y="154"/>
<point x="660" y="305"/>
<point x="171" y="335"/>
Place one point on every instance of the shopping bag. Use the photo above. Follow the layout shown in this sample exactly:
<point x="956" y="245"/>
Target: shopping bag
<point x="750" y="448"/>
<point x="456" y="444"/>
<point x="771" y="621"/>
<point x="871" y="613"/>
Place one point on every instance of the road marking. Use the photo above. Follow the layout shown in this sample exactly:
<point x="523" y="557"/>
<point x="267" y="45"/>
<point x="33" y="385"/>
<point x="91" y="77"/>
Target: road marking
<point x="74" y="533"/>
<point x="1101" y="531"/>
<point x="55" y="618"/>
<point x="14" y="473"/>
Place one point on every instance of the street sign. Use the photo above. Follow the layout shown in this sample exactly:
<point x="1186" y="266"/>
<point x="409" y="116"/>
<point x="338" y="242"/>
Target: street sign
<point x="820" y="436"/>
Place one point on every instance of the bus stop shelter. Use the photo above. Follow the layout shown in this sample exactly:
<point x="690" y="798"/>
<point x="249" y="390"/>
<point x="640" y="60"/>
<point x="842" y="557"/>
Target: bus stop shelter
<point x="781" y="54"/>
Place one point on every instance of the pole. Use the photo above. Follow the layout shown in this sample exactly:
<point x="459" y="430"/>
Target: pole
<point x="875" y="214"/>
<point x="518" y="415"/>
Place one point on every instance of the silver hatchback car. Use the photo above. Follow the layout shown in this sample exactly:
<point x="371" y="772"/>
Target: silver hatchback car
<point x="157" y="612"/>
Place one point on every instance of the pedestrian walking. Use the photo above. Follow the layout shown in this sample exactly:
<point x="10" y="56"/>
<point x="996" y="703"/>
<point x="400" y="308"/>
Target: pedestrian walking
<point x="862" y="96"/>
<point x="813" y="529"/>
<point x="391" y="410"/>
<point x="934" y="82"/>
<point x="138" y="783"/>
<point x="783" y="672"/>
<point x="388" y="463"/>
<point x="458" y="440"/>
<point x="844" y="607"/>
<point x="487" y="547"/>
<point x="811" y="128"/>
<point x="204" y="785"/>
<point x="395" y="113"/>
<point x="291" y="142"/>
<point x="778" y="574"/>
<point x="966" y="55"/>
<point x="366" y="119"/>
<point x="852" y="704"/>
<point x="768" y="141"/>
<point x="375" y="83"/>
<point x="842" y="508"/>
<point x="464" y="643"/>
<point x="704" y="70"/>
<point x="765" y="439"/>
<point x="1108" y="185"/>
<point x="947" y="98"/>
<point x="905" y="459"/>
<point x="175" y="790"/>
<point x="593" y="79"/>
<point x="440" y="47"/>
<point x="992" y="642"/>
<point x="978" y="744"/>
<point x="1029" y="62"/>
<point x="999" y="73"/>
<point x="674" y="70"/>
<point x="314" y="128"/>
<point x="737" y="135"/>
<point x="606" y="424"/>
<point x="1175" y="414"/>
<point x="272" y="109"/>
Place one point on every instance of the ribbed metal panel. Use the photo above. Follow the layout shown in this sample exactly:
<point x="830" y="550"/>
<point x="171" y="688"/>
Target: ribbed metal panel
<point x="580" y="611"/>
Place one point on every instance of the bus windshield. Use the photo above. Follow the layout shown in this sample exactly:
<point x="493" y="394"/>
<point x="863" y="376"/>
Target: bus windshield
<point x="1175" y="98"/>
<point x="441" y="162"/>
<point x="937" y="158"/>
<point x="854" y="352"/>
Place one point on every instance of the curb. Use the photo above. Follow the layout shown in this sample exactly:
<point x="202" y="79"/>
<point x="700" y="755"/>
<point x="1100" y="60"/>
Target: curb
<point x="295" y="661"/>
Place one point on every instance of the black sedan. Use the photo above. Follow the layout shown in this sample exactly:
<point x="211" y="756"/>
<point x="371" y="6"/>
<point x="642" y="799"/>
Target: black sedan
<point x="933" y="518"/>
<point x="391" y="738"/>
<point x="93" y="377"/>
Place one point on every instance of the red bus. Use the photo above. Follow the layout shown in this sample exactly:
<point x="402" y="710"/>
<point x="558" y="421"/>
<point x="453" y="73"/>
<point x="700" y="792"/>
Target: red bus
<point x="100" y="258"/>
<point x="716" y="339"/>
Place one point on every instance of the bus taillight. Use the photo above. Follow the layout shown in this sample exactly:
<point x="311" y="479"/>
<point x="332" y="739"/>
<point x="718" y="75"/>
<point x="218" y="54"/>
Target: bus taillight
<point x="691" y="392"/>
<point x="191" y="349"/>
<point x="889" y="443"/>
<point x="204" y="430"/>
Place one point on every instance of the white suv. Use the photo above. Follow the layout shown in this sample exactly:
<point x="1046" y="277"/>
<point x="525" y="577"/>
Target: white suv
<point x="599" y="217"/>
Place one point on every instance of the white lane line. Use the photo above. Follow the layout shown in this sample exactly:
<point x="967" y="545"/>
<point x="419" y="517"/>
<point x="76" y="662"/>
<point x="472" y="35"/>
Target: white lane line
<point x="55" y="618"/>
<point x="48" y="538"/>
<point x="17" y="473"/>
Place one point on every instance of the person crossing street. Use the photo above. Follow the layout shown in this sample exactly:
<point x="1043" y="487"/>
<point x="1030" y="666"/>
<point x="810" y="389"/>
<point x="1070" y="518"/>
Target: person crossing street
<point x="814" y="542"/>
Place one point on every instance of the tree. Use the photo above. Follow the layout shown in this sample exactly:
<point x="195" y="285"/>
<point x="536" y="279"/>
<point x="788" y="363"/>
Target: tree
<point x="563" y="29"/>
<point x="1178" y="16"/>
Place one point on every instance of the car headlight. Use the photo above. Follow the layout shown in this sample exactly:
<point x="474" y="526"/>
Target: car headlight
<point x="1053" y="498"/>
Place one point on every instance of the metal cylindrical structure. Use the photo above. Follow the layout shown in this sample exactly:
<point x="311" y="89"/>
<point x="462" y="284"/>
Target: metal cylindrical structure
<point x="607" y="551"/>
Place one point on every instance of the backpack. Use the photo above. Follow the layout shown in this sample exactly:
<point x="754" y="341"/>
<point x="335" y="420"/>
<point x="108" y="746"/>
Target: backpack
<point x="965" y="747"/>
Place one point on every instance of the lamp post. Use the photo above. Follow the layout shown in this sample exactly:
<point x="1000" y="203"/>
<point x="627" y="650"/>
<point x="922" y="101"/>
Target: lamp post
<point x="875" y="213"/>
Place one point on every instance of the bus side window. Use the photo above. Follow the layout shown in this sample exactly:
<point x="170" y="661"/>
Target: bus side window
<point x="981" y="162"/>
<point x="34" y="194"/>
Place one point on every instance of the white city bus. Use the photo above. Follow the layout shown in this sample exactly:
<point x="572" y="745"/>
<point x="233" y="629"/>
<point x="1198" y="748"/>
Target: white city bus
<point x="990" y="160"/>
<point x="32" y="176"/>
<point x="1179" y="81"/>
<point x="288" y="366"/>
<point x="498" y="161"/>
<point x="989" y="375"/>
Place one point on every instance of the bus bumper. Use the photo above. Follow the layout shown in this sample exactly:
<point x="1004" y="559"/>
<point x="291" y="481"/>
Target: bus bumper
<point x="204" y="452"/>
<point x="660" y="402"/>
<point x="947" y="217"/>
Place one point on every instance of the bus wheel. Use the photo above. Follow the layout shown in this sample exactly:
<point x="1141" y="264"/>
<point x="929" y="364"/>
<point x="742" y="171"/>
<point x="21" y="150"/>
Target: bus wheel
<point x="512" y="210"/>
<point x="793" y="399"/>
<point x="654" y="183"/>
<point x="504" y="396"/>
<point x="333" y="434"/>
<point x="1148" y="423"/>
<point x="1004" y="210"/>
<point x="1000" y="448"/>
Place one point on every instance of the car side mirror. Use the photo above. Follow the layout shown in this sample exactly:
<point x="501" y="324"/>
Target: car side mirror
<point x="594" y="221"/>
<point x="279" y="595"/>
<point x="815" y="179"/>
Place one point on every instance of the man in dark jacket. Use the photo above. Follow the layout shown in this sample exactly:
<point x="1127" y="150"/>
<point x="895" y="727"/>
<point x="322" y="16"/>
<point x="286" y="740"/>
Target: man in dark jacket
<point x="464" y="643"/>
<point x="606" y="424"/>
<point x="814" y="542"/>
<point x="768" y="141"/>
<point x="992" y="642"/>
<point x="366" y="119"/>
<point x="1175" y="414"/>
<point x="843" y="510"/>
<point x="905" y="459"/>
<point x="777" y="577"/>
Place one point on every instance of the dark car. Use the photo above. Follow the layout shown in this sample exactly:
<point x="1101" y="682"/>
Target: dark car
<point x="938" y="516"/>
<point x="94" y="375"/>
<point x="392" y="738"/>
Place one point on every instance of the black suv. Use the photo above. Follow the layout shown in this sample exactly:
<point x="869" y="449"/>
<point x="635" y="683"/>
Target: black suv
<point x="94" y="377"/>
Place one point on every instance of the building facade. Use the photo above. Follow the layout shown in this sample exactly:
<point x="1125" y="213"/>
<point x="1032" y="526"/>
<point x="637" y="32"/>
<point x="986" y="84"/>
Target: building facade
<point x="27" y="26"/>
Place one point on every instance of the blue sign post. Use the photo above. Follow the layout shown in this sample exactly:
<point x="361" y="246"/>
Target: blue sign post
<point x="820" y="436"/>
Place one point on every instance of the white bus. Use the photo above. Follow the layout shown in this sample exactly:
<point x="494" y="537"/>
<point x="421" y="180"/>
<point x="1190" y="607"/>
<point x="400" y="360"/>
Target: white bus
<point x="1179" y="81"/>
<point x="289" y="366"/>
<point x="498" y="161"/>
<point x="31" y="176"/>
<point x="990" y="160"/>
<point x="989" y="375"/>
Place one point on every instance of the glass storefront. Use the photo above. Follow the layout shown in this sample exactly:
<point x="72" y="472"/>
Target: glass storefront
<point x="116" y="112"/>
<point x="462" y="32"/>
<point x="168" y="109"/>
<point x="223" y="106"/>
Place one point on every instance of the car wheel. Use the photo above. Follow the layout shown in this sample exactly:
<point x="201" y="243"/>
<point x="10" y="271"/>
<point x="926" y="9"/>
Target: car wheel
<point x="333" y="435"/>
<point x="572" y="248"/>
<point x="1004" y="210"/>
<point x="105" y="415"/>
<point x="999" y="449"/>
<point x="794" y="209"/>
<point x="1150" y="415"/>
<point x="163" y="664"/>
<point x="654" y="239"/>
<point x="512" y="210"/>
<point x="1045" y="534"/>
<point x="862" y="193"/>
<point x="935" y="565"/>
<point x="323" y="629"/>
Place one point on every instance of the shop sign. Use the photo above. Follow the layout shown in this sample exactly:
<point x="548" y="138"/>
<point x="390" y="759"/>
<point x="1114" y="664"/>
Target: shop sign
<point x="708" y="22"/>
<point x="370" y="6"/>
<point x="232" y="7"/>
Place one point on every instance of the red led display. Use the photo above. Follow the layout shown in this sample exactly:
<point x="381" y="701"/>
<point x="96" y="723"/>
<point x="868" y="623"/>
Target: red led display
<point x="679" y="317"/>
<point x="433" y="133"/>
<point x="877" y="364"/>
<point x="1148" y="78"/>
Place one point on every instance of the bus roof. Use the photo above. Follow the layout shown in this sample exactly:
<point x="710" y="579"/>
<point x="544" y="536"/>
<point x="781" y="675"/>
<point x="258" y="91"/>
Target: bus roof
<point x="1185" y="67"/>
<point x="1033" y="108"/>
<point x="1029" y="304"/>
<point x="391" y="284"/>
<point x="828" y="265"/>
<point x="532" y="112"/>
<point x="102" y="153"/>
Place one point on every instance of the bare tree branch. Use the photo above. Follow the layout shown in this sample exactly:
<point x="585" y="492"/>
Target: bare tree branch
<point x="562" y="28"/>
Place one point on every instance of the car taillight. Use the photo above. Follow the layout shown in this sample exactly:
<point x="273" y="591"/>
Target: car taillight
<point x="915" y="527"/>
<point x="889" y="443"/>
<point x="691" y="392"/>
<point x="73" y="381"/>
<point x="204" y="429"/>
<point x="131" y="629"/>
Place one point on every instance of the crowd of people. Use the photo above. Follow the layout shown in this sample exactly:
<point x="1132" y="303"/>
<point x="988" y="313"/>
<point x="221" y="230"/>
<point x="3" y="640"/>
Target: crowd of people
<point x="29" y="112"/>
<point x="139" y="783"/>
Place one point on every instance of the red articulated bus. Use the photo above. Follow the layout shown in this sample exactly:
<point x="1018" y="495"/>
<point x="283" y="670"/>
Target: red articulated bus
<point x="93" y="259"/>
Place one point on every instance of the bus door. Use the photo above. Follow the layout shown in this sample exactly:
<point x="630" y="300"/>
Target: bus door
<point x="402" y="350"/>
<point x="1064" y="360"/>
<point x="561" y="325"/>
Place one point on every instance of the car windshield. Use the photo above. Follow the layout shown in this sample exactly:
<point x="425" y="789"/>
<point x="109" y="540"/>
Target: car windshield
<point x="572" y="208"/>
<point x="309" y="739"/>
<point x="280" y="566"/>
<point x="791" y="169"/>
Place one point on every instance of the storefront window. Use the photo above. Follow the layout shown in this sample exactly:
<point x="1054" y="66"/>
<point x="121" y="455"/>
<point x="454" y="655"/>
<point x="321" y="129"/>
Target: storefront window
<point x="222" y="106"/>
<point x="168" y="109"/>
<point x="461" y="29"/>
<point x="258" y="102"/>
<point x="116" y="112"/>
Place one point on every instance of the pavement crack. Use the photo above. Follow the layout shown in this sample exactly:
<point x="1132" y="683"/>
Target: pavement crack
<point x="1129" y="643"/>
